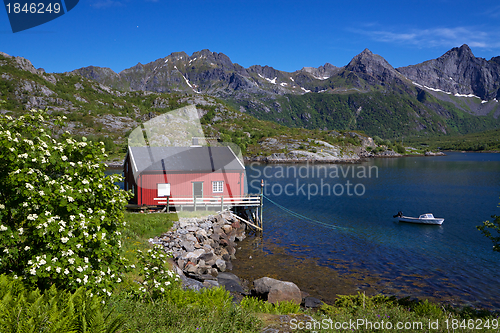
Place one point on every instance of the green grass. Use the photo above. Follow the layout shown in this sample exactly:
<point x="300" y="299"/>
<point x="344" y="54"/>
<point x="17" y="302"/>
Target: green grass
<point x="142" y="226"/>
<point x="186" y="311"/>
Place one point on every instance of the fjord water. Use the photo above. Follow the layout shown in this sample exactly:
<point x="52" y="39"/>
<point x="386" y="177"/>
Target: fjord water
<point x="453" y="262"/>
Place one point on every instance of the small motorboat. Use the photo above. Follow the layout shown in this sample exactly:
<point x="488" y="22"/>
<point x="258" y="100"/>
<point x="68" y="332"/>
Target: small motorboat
<point x="422" y="219"/>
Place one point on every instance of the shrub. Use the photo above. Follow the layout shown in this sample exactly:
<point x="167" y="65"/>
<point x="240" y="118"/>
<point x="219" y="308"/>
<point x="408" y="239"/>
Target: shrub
<point x="157" y="277"/>
<point x="400" y="149"/>
<point x="60" y="217"/>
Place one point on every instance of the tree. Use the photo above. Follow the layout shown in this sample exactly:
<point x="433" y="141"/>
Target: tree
<point x="492" y="231"/>
<point x="60" y="216"/>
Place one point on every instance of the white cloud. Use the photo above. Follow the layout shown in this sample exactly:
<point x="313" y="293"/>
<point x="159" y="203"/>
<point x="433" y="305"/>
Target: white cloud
<point x="435" y="37"/>
<point x="101" y="4"/>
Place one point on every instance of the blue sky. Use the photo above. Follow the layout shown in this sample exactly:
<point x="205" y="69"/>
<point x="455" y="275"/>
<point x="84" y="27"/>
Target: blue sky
<point x="286" y="35"/>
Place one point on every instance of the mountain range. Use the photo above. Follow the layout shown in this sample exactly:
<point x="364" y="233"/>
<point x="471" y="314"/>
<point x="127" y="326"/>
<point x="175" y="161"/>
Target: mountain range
<point x="455" y="93"/>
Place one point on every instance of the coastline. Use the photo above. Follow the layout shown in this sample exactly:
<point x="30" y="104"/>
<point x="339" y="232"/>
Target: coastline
<point x="257" y="258"/>
<point x="249" y="257"/>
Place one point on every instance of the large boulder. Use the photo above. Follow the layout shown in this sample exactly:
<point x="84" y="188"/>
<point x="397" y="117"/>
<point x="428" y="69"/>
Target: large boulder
<point x="277" y="291"/>
<point x="230" y="282"/>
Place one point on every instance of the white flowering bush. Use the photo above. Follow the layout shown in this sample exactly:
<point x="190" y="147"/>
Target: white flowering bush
<point x="60" y="216"/>
<point x="157" y="277"/>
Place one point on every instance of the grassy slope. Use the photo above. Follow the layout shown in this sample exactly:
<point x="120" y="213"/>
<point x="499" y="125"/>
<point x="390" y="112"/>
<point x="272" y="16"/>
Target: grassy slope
<point x="482" y="141"/>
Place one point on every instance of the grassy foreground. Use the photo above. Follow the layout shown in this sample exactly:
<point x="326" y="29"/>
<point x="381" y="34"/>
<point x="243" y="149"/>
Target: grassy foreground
<point x="213" y="310"/>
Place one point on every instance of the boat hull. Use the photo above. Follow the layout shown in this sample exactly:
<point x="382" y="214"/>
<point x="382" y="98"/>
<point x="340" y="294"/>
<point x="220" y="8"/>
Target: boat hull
<point x="435" y="221"/>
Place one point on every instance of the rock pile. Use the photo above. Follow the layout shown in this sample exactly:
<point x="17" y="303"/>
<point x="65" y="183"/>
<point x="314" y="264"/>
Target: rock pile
<point x="203" y="247"/>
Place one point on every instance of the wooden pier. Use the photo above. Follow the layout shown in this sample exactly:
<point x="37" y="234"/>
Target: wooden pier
<point x="246" y="208"/>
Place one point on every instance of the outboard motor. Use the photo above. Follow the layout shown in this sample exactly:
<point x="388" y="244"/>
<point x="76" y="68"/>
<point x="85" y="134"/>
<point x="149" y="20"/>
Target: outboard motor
<point x="399" y="214"/>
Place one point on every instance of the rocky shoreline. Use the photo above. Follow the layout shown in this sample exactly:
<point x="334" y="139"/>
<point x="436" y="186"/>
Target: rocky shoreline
<point x="308" y="157"/>
<point x="202" y="250"/>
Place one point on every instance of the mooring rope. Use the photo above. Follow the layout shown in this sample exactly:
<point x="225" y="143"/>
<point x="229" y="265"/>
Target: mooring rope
<point x="295" y="214"/>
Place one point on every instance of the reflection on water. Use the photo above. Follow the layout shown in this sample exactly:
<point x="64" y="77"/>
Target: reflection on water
<point x="377" y="254"/>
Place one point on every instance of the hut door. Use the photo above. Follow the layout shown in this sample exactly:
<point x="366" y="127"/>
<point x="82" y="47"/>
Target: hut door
<point x="198" y="190"/>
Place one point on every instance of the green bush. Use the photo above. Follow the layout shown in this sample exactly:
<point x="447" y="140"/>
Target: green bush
<point x="400" y="149"/>
<point x="157" y="277"/>
<point x="60" y="217"/>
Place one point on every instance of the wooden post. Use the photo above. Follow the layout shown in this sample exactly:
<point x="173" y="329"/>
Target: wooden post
<point x="194" y="198"/>
<point x="261" y="202"/>
<point x="221" y="203"/>
<point x="168" y="204"/>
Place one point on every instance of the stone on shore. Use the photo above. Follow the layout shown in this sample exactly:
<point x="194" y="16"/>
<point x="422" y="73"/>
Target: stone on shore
<point x="230" y="282"/>
<point x="202" y="248"/>
<point x="277" y="291"/>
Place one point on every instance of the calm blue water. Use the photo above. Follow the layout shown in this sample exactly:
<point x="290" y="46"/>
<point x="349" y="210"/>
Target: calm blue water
<point x="452" y="261"/>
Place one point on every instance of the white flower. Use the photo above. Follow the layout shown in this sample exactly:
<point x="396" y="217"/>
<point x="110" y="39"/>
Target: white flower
<point x="64" y="239"/>
<point x="48" y="268"/>
<point x="25" y="204"/>
<point x="71" y="261"/>
<point x="26" y="248"/>
<point x="21" y="230"/>
<point x="78" y="246"/>
<point x="64" y="158"/>
<point x="32" y="217"/>
<point x="80" y="269"/>
<point x="3" y="228"/>
<point x="58" y="269"/>
<point x="41" y="193"/>
<point x="66" y="271"/>
<point x="70" y="199"/>
<point x="29" y="186"/>
<point x="72" y="217"/>
<point x="2" y="206"/>
<point x="90" y="210"/>
<point x="33" y="271"/>
<point x="6" y="250"/>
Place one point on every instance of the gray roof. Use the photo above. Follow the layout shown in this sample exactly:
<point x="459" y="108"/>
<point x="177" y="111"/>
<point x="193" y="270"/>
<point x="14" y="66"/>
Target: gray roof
<point x="187" y="159"/>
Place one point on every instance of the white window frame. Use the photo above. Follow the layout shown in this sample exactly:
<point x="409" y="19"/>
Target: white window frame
<point x="163" y="190"/>
<point x="218" y="186"/>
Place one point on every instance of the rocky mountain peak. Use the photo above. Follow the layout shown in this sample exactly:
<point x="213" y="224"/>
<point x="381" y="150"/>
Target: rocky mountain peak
<point x="23" y="64"/>
<point x="458" y="72"/>
<point x="368" y="62"/>
<point x="462" y="53"/>
<point x="372" y="68"/>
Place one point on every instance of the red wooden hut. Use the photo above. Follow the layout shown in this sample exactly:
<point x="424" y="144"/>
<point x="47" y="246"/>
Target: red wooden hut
<point x="182" y="176"/>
